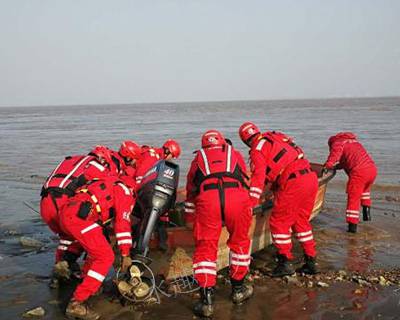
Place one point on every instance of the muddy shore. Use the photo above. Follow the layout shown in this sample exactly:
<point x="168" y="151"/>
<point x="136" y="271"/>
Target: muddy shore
<point x="360" y="276"/>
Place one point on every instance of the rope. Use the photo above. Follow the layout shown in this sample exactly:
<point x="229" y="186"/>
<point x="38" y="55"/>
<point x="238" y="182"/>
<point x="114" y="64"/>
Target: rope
<point x="30" y="207"/>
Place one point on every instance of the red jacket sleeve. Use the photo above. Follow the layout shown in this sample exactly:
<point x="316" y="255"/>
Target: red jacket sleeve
<point x="190" y="208"/>
<point x="258" y="174"/>
<point x="95" y="170"/>
<point x="334" y="155"/>
<point x="123" y="205"/>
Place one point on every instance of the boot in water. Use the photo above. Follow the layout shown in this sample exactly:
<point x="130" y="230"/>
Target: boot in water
<point x="80" y="310"/>
<point x="204" y="307"/>
<point x="309" y="267"/>
<point x="352" y="228"/>
<point x="284" y="268"/>
<point x="366" y="213"/>
<point x="240" y="291"/>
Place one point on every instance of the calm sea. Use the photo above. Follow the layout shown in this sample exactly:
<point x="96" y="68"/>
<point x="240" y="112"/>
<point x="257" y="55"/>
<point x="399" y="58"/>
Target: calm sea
<point x="35" y="139"/>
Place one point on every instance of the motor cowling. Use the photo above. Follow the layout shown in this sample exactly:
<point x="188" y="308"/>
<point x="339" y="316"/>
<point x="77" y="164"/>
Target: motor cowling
<point x="156" y="196"/>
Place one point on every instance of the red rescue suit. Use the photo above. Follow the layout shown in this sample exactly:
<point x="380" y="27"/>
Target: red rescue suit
<point x="276" y="159"/>
<point x="216" y="193"/>
<point x="127" y="173"/>
<point x="82" y="218"/>
<point x="349" y="154"/>
<point x="62" y="183"/>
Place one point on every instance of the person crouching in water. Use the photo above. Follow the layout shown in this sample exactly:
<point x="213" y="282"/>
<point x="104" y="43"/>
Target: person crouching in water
<point x="346" y="152"/>
<point x="276" y="159"/>
<point x="83" y="217"/>
<point x="216" y="192"/>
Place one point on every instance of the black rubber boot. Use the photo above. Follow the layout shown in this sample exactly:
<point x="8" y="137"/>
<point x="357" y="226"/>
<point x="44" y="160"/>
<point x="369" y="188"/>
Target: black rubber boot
<point x="204" y="308"/>
<point x="352" y="228"/>
<point x="240" y="291"/>
<point x="284" y="268"/>
<point x="309" y="267"/>
<point x="366" y="213"/>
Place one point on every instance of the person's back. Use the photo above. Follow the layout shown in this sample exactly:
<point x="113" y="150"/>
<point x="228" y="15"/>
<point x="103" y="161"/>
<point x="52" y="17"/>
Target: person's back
<point x="276" y="159"/>
<point x="355" y="157"/>
<point x="217" y="193"/>
<point x="72" y="173"/>
<point x="346" y="152"/>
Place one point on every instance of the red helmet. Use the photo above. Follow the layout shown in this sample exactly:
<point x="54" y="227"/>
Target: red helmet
<point x="102" y="153"/>
<point x="212" y="138"/>
<point x="331" y="140"/>
<point x="172" y="147"/>
<point x="248" y="130"/>
<point x="130" y="149"/>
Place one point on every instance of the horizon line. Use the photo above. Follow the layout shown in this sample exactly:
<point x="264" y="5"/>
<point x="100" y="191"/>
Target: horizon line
<point x="198" y="101"/>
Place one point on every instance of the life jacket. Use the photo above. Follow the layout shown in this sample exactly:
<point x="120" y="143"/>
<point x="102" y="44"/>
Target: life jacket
<point x="280" y="151"/>
<point x="68" y="175"/>
<point x="100" y="194"/>
<point x="218" y="162"/>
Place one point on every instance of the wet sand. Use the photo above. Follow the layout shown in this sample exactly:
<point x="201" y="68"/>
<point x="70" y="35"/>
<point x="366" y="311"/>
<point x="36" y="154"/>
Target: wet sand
<point x="375" y="249"/>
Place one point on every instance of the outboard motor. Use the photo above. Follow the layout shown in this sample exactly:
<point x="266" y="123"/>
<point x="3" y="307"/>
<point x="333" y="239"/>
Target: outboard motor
<point x="156" y="196"/>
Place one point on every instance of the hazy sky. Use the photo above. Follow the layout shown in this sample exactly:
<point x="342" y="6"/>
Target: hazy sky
<point x="126" y="51"/>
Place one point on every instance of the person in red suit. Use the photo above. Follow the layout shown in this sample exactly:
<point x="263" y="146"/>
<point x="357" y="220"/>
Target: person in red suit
<point x="277" y="160"/>
<point x="126" y="156"/>
<point x="125" y="160"/>
<point x="66" y="178"/>
<point x="83" y="218"/>
<point x="346" y="152"/>
<point x="216" y="192"/>
<point x="150" y="155"/>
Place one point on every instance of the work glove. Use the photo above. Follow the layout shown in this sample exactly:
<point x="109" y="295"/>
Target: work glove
<point x="126" y="262"/>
